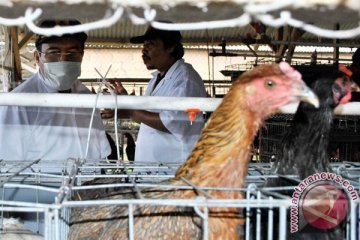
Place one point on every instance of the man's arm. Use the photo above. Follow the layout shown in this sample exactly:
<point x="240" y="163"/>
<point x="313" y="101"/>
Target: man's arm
<point x="152" y="119"/>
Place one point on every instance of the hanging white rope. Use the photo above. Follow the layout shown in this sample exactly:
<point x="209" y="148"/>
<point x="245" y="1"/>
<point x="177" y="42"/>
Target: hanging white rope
<point x="29" y="17"/>
<point x="3" y="77"/>
<point x="249" y="11"/>
<point x="60" y="30"/>
<point x="93" y="111"/>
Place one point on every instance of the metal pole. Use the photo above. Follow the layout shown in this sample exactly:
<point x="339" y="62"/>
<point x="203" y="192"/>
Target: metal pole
<point x="136" y="102"/>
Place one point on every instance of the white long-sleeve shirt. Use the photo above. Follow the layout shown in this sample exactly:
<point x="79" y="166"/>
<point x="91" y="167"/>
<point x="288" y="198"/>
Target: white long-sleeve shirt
<point x="31" y="133"/>
<point x="181" y="80"/>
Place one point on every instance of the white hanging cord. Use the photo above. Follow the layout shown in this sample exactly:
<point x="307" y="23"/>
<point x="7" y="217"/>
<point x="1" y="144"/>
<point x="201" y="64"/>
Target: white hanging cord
<point x="60" y="30"/>
<point x="286" y="19"/>
<point x="106" y="83"/>
<point x="241" y="21"/>
<point x="212" y="85"/>
<point x="251" y="11"/>
<point x="116" y="129"/>
<point x="30" y="16"/>
<point x="253" y="8"/>
<point x="11" y="83"/>
<point x="269" y="20"/>
<point x="93" y="113"/>
<point x="3" y="77"/>
<point x="136" y="20"/>
<point x="208" y="55"/>
<point x="148" y="13"/>
<point x="257" y="11"/>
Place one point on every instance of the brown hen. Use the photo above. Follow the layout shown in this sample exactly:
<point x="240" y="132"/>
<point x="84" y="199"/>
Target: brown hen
<point x="219" y="159"/>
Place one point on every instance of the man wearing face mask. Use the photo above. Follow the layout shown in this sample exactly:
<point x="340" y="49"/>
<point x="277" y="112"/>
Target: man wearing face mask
<point x="31" y="133"/>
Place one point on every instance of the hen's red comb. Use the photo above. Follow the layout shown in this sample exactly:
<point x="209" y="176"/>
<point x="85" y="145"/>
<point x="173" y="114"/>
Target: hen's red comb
<point x="345" y="70"/>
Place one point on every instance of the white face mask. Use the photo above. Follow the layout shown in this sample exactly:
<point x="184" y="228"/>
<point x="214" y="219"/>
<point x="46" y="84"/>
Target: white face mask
<point x="61" y="75"/>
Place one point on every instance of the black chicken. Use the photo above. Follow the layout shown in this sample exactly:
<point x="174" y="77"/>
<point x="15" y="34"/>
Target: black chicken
<point x="306" y="144"/>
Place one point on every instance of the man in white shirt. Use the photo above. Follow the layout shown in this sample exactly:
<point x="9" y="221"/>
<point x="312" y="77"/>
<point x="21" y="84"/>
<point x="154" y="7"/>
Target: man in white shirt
<point x="166" y="136"/>
<point x="31" y="133"/>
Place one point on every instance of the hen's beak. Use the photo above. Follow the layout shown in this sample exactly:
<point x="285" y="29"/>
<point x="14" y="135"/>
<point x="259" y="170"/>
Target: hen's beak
<point x="306" y="94"/>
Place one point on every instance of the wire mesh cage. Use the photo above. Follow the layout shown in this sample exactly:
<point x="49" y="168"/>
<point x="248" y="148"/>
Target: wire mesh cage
<point x="344" y="138"/>
<point x="271" y="134"/>
<point x="50" y="198"/>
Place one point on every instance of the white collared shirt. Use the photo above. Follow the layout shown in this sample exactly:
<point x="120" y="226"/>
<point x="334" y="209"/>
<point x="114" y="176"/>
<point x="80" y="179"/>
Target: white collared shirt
<point x="31" y="133"/>
<point x="181" y="80"/>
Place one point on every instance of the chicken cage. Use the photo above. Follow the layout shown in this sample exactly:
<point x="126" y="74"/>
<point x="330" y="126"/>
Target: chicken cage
<point x="344" y="138"/>
<point x="44" y="200"/>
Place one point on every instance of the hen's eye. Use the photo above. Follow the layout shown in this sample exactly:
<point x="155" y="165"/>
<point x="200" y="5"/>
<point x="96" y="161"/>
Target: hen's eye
<point x="269" y="83"/>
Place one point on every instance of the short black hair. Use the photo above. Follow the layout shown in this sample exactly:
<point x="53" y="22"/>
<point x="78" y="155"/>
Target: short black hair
<point x="40" y="39"/>
<point x="178" y="52"/>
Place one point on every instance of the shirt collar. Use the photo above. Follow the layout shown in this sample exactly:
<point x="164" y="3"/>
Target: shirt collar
<point x="171" y="69"/>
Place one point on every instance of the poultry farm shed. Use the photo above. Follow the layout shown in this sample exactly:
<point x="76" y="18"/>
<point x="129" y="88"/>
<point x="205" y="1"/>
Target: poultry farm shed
<point x="44" y="198"/>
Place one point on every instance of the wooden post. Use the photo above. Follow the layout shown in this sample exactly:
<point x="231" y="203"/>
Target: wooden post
<point x="336" y="48"/>
<point x="296" y="33"/>
<point x="17" y="76"/>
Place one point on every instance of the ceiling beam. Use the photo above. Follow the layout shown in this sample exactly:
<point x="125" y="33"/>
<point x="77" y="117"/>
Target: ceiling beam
<point x="25" y="39"/>
<point x="296" y="33"/>
<point x="316" y="44"/>
<point x="280" y="51"/>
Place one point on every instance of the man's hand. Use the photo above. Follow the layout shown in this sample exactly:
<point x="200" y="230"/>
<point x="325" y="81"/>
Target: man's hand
<point x="119" y="90"/>
<point x="107" y="113"/>
<point x="118" y="87"/>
